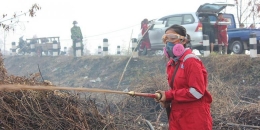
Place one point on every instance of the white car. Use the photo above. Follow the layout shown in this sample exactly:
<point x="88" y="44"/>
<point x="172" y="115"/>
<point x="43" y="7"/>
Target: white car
<point x="191" y="21"/>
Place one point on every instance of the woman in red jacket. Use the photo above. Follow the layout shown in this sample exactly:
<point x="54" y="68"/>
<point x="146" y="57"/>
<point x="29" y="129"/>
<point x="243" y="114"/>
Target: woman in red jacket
<point x="188" y="98"/>
<point x="145" y="40"/>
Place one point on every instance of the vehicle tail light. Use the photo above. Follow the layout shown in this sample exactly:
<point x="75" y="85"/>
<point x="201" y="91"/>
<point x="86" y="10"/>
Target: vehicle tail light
<point x="199" y="27"/>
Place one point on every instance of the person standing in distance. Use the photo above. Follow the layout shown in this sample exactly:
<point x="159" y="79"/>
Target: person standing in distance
<point x="208" y="29"/>
<point x="145" y="40"/>
<point x="76" y="37"/>
<point x="222" y="33"/>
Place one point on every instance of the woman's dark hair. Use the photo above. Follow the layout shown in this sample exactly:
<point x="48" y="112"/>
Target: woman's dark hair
<point x="145" y="20"/>
<point x="181" y="31"/>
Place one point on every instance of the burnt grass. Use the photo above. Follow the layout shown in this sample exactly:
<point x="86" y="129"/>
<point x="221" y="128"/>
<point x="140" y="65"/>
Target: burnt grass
<point x="234" y="82"/>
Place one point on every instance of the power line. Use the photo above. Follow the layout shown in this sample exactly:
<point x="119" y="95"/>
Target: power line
<point x="114" y="31"/>
<point x="104" y="33"/>
<point x="107" y="32"/>
<point x="14" y="17"/>
<point x="111" y="31"/>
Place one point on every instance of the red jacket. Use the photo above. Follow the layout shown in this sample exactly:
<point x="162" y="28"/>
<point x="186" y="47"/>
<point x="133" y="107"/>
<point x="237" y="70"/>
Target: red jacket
<point x="144" y="28"/>
<point x="190" y="84"/>
<point x="221" y="28"/>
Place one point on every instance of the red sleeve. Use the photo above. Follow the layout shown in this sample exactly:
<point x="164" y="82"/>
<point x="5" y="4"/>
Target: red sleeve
<point x="195" y="72"/>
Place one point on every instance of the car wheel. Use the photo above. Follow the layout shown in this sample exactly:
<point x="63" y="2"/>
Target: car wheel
<point x="237" y="47"/>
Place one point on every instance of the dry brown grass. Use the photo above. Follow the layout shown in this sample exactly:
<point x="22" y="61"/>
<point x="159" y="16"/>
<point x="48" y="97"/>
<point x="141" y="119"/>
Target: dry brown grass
<point x="233" y="82"/>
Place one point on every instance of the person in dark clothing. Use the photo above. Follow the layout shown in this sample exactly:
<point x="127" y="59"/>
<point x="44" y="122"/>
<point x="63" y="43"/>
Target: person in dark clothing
<point x="76" y="36"/>
<point x="208" y="29"/>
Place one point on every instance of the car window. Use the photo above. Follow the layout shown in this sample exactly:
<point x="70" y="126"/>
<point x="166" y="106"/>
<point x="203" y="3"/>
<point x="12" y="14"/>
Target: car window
<point x="187" y="19"/>
<point x="174" y="20"/>
<point x="230" y="20"/>
<point x="212" y="18"/>
<point x="159" y="25"/>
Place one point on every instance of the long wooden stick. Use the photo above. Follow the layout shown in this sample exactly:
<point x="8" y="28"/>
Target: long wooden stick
<point x="27" y="87"/>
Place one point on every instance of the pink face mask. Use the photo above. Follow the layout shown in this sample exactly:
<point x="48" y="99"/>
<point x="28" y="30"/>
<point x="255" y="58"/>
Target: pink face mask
<point x="173" y="50"/>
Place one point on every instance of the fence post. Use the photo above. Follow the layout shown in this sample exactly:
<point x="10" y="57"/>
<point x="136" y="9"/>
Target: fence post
<point x="206" y="45"/>
<point x="105" y="47"/>
<point x="33" y="50"/>
<point x="134" y="48"/>
<point x="78" y="49"/>
<point x="253" y="45"/>
<point x="99" y="50"/>
<point x="55" y="48"/>
<point x="118" y="50"/>
<point x="13" y="49"/>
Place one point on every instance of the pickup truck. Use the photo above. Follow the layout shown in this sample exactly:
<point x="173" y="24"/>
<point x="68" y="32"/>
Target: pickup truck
<point x="238" y="38"/>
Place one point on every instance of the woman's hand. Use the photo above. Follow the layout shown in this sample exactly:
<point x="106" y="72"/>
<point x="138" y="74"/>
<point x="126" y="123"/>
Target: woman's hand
<point x="163" y="98"/>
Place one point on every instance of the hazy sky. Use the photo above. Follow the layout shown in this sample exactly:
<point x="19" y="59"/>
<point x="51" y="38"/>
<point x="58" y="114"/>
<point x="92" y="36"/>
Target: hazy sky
<point x="95" y="17"/>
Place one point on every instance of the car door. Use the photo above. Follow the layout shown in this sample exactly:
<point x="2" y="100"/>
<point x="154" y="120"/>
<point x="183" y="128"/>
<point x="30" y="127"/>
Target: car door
<point x="231" y="19"/>
<point x="156" y="33"/>
<point x="190" y="23"/>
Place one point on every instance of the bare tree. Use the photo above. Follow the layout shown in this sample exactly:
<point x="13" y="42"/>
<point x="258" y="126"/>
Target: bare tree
<point x="247" y="9"/>
<point x="31" y="13"/>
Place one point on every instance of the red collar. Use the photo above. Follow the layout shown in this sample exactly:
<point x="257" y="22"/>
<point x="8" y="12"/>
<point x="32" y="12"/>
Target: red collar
<point x="188" y="51"/>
